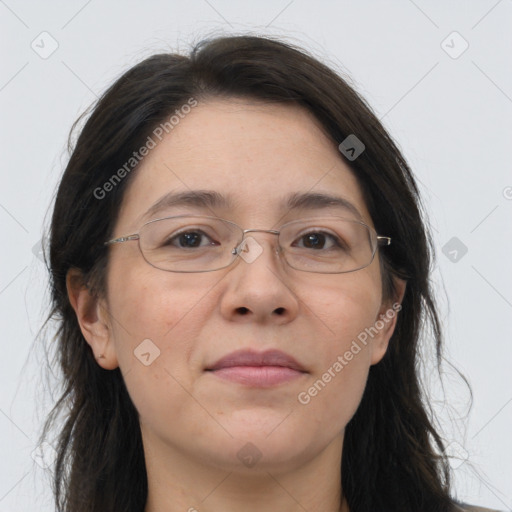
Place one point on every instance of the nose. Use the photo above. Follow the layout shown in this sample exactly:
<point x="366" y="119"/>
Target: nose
<point x="259" y="287"/>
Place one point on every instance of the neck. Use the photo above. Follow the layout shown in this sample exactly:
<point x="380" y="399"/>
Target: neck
<point x="176" y="482"/>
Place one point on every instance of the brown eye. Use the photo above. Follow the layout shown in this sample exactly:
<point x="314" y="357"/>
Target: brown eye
<point x="189" y="240"/>
<point x="317" y="240"/>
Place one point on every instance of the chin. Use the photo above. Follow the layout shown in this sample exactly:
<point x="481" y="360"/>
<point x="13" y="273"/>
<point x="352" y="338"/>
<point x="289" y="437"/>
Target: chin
<point x="276" y="449"/>
<point x="263" y="456"/>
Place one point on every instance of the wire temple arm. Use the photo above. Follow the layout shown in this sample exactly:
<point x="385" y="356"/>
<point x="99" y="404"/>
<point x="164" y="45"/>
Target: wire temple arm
<point x="122" y="239"/>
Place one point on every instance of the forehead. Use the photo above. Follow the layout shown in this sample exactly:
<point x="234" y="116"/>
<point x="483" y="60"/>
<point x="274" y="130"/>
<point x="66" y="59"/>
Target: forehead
<point x="259" y="156"/>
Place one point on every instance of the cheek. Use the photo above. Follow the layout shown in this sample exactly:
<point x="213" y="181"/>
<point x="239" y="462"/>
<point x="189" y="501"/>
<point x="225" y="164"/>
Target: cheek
<point x="155" y="318"/>
<point x="149" y="303"/>
<point x="344" y="310"/>
<point x="343" y="307"/>
<point x="334" y="395"/>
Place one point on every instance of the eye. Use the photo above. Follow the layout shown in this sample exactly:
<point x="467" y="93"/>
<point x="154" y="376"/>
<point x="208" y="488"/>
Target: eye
<point x="318" y="240"/>
<point x="189" y="239"/>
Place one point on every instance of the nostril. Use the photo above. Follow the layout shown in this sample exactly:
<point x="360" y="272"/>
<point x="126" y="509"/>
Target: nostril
<point x="243" y="310"/>
<point x="279" y="311"/>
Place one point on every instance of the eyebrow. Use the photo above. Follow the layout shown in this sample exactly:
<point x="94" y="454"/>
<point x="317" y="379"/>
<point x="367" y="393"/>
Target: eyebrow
<point x="210" y="199"/>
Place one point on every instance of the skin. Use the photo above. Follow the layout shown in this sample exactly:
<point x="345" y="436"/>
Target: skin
<point x="193" y="424"/>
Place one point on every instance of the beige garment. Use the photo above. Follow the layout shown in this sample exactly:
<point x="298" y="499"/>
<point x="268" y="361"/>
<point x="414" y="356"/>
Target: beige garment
<point x="474" y="508"/>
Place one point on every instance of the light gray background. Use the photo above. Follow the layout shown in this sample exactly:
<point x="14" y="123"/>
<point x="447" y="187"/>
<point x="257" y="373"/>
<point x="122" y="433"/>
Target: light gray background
<point x="451" y="117"/>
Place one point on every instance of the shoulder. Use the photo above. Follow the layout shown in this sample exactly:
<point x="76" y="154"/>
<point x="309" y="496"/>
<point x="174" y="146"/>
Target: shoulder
<point x="465" y="507"/>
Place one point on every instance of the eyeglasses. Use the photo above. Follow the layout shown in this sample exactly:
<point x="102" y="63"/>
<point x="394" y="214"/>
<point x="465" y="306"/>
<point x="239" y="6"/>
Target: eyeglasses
<point x="198" y="243"/>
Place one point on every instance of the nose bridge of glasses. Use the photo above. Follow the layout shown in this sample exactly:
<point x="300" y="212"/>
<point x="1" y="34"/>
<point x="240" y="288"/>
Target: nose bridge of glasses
<point x="245" y="237"/>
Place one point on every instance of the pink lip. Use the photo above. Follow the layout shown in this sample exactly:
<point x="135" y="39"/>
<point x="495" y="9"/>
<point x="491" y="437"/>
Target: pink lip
<point x="258" y="369"/>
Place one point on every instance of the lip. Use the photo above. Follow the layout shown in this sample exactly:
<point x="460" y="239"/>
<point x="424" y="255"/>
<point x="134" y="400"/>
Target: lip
<point x="257" y="369"/>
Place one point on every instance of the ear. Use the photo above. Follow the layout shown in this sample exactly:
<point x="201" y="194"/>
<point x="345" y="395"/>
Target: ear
<point x="385" y="322"/>
<point x="93" y="318"/>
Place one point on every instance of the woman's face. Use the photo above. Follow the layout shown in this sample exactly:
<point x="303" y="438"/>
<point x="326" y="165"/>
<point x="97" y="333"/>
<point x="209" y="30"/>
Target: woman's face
<point x="165" y="330"/>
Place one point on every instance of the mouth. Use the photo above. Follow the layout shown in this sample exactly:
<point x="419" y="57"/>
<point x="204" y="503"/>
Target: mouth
<point x="257" y="369"/>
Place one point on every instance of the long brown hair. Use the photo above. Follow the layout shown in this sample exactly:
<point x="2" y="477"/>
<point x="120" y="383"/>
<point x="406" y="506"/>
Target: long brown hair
<point x="393" y="457"/>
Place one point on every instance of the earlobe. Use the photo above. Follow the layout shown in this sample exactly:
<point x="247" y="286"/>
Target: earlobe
<point x="386" y="321"/>
<point x="93" y="319"/>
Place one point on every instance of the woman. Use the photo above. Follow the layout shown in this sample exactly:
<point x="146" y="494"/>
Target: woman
<point x="240" y="273"/>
